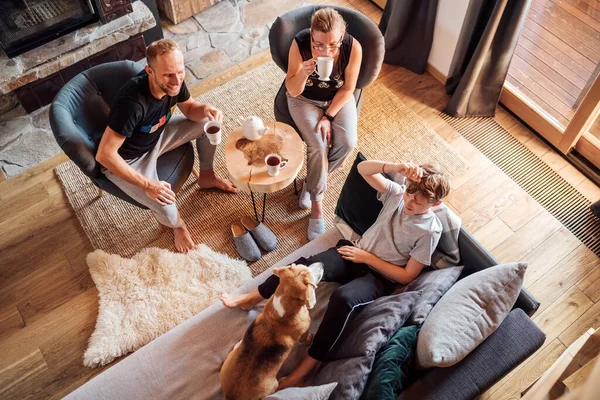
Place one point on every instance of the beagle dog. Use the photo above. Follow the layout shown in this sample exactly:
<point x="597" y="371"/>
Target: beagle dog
<point x="250" y="370"/>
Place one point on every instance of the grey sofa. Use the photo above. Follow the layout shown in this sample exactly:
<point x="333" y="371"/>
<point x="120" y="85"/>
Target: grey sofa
<point x="78" y="118"/>
<point x="184" y="363"/>
<point x="364" y="30"/>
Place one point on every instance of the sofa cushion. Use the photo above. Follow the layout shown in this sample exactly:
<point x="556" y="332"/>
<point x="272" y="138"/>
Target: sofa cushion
<point x="517" y="338"/>
<point x="392" y="367"/>
<point x="351" y="358"/>
<point x="303" y="393"/>
<point x="434" y="284"/>
<point x="469" y="312"/>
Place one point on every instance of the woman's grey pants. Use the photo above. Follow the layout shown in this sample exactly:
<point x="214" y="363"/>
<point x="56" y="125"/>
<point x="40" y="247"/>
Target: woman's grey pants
<point x="179" y="130"/>
<point x="322" y="160"/>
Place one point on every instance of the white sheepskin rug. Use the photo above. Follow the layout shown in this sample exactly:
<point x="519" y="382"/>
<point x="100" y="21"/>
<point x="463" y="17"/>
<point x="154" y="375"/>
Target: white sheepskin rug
<point x="143" y="297"/>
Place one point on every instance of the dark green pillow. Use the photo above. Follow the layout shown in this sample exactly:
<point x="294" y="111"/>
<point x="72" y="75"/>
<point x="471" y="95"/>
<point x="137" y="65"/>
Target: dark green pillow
<point x="391" y="371"/>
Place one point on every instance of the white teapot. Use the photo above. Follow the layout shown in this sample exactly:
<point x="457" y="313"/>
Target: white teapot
<point x="253" y="127"/>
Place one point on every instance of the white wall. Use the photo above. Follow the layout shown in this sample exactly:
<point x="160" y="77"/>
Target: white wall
<point x="449" y="20"/>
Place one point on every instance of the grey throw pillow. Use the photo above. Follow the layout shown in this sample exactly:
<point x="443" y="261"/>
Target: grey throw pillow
<point x="469" y="312"/>
<point x="434" y="284"/>
<point x="350" y="360"/>
<point x="304" y="393"/>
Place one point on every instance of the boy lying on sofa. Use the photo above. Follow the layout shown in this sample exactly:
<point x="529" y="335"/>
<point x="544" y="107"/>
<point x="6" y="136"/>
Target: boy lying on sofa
<point x="393" y="250"/>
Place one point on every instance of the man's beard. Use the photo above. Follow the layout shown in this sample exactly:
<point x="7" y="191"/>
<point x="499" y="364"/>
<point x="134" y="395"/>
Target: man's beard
<point x="165" y="88"/>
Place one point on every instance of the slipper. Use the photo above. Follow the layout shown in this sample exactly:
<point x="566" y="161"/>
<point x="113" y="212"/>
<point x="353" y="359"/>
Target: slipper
<point x="244" y="244"/>
<point x="304" y="199"/>
<point x="316" y="227"/>
<point x="259" y="231"/>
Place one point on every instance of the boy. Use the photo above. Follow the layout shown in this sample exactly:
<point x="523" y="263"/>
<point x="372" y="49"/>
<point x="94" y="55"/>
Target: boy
<point x="393" y="250"/>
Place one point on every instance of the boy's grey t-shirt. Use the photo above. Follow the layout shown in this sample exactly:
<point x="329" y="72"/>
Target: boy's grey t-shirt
<point x="396" y="237"/>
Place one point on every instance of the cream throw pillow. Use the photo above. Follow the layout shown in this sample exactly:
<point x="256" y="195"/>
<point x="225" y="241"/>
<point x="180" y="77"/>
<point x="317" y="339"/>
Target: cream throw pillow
<point x="467" y="314"/>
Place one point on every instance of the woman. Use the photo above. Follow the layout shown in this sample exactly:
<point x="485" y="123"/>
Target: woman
<point x="324" y="111"/>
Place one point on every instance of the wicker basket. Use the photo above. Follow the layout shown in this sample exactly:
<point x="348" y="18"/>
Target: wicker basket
<point x="180" y="10"/>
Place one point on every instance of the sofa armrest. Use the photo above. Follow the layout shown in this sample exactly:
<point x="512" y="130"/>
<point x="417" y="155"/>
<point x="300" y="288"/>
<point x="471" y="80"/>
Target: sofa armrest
<point x="475" y="258"/>
<point x="516" y="338"/>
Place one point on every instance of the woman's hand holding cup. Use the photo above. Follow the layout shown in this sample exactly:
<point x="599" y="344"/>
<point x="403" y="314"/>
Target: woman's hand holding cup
<point x="309" y="66"/>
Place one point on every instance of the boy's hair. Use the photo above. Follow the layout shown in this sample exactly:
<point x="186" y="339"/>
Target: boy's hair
<point x="326" y="20"/>
<point x="158" y="48"/>
<point x="434" y="185"/>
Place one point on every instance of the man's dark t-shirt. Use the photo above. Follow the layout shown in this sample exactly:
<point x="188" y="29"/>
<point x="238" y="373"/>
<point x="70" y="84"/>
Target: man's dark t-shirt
<point x="140" y="117"/>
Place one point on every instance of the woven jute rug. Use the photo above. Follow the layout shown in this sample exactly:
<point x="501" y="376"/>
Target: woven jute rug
<point x="387" y="129"/>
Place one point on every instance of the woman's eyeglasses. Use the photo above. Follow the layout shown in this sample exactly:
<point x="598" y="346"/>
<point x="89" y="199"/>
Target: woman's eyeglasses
<point x="321" y="47"/>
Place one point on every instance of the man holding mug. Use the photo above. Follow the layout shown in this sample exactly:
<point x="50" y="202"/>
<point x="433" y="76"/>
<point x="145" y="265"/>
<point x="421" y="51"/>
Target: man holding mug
<point x="137" y="134"/>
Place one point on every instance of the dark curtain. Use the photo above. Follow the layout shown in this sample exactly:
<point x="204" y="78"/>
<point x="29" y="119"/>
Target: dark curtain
<point x="407" y="27"/>
<point x="483" y="53"/>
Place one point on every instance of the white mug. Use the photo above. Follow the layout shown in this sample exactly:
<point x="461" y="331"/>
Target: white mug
<point x="324" y="67"/>
<point x="274" y="163"/>
<point x="214" y="135"/>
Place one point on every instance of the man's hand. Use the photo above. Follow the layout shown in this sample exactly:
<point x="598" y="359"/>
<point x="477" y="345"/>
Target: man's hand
<point x="355" y="254"/>
<point x="212" y="113"/>
<point x="324" y="129"/>
<point x="160" y="192"/>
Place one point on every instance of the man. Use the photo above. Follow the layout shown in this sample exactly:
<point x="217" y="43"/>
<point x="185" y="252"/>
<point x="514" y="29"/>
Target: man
<point x="137" y="134"/>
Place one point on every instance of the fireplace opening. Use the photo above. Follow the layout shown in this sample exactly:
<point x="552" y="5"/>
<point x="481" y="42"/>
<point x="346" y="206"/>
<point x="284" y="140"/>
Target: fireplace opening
<point x="26" y="24"/>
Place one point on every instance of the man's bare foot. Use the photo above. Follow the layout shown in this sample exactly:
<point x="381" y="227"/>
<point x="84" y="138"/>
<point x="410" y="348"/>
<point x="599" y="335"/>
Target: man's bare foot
<point x="243" y="301"/>
<point x="208" y="179"/>
<point x="183" y="240"/>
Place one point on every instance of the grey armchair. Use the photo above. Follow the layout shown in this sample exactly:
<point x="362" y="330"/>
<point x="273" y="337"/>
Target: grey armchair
<point x="360" y="27"/>
<point x="79" y="115"/>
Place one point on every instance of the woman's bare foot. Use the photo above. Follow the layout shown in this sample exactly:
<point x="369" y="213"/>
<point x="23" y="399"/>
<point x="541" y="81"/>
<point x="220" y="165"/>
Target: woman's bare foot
<point x="183" y="240"/>
<point x="208" y="179"/>
<point x="243" y="301"/>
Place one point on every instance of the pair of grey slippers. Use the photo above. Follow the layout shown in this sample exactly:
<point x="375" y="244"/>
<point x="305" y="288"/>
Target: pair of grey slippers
<point x="248" y="235"/>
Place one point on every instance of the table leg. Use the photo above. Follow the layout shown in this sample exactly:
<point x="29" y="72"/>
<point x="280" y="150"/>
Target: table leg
<point x="254" y="206"/>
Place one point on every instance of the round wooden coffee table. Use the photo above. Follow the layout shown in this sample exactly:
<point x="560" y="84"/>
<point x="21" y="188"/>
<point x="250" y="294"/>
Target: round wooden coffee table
<point x="246" y="160"/>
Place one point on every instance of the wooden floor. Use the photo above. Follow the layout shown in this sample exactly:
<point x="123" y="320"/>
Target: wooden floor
<point x="558" y="55"/>
<point x="48" y="302"/>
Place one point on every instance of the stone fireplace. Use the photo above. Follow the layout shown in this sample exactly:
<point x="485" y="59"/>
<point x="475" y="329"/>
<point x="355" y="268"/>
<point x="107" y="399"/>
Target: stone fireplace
<point x="90" y="32"/>
<point x="29" y="81"/>
<point x="27" y="24"/>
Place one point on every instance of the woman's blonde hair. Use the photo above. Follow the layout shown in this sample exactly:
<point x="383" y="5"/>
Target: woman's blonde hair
<point x="326" y="20"/>
<point x="158" y="48"/>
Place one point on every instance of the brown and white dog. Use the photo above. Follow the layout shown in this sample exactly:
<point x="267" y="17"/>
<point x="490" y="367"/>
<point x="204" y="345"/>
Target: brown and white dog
<point x="250" y="370"/>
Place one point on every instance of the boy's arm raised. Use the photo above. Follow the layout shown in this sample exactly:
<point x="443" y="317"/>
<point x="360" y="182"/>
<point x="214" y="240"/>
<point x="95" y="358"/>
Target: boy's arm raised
<point x="371" y="170"/>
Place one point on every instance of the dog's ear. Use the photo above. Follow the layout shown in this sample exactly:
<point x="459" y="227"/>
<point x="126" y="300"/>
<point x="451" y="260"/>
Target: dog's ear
<point x="311" y="298"/>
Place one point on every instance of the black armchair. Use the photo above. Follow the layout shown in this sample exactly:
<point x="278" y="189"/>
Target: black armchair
<point x="79" y="115"/>
<point x="364" y="30"/>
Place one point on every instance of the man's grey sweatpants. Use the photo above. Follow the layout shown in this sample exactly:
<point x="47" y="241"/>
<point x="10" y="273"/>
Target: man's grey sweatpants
<point x="179" y="130"/>
<point x="322" y="160"/>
